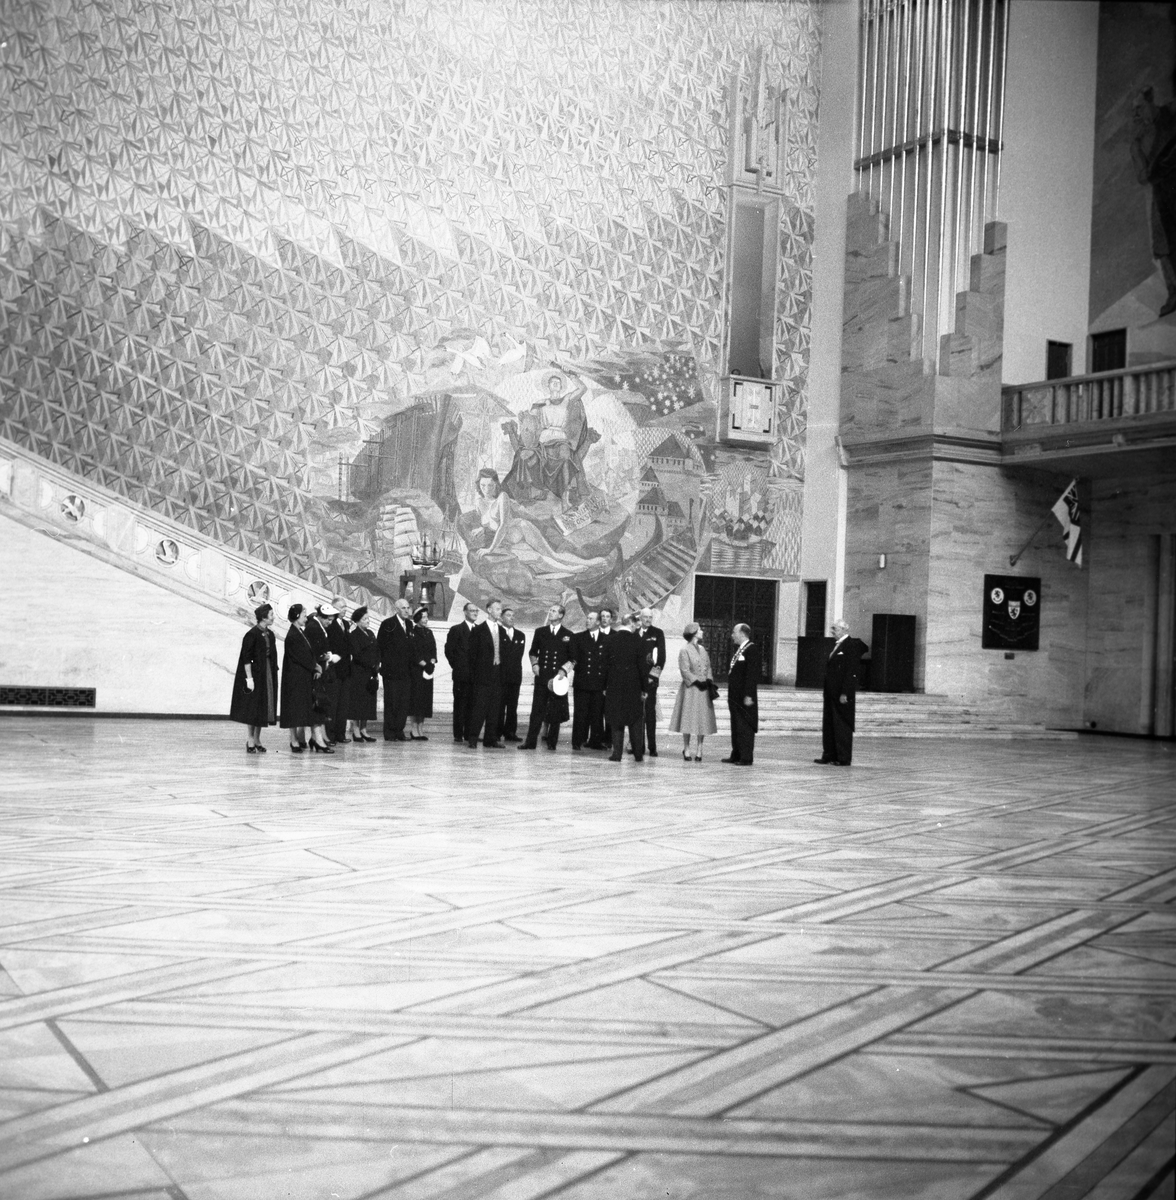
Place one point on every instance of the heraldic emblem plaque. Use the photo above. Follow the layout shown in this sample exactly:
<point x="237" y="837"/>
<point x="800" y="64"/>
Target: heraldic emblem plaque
<point x="1012" y="612"/>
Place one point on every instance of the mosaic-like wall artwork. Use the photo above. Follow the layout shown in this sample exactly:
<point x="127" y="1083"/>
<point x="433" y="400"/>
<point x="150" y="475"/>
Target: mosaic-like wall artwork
<point x="325" y="281"/>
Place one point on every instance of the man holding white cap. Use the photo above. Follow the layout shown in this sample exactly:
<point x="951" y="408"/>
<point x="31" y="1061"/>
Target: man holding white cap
<point x="552" y="650"/>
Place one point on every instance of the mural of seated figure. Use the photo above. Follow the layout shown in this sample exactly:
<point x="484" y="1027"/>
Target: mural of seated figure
<point x="549" y="445"/>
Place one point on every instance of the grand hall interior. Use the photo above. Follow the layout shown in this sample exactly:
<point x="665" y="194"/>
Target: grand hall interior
<point x="763" y="413"/>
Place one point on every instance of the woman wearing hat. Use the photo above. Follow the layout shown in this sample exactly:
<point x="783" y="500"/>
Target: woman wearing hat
<point x="694" y="710"/>
<point x="424" y="666"/>
<point x="364" y="681"/>
<point x="255" y="687"/>
<point x="299" y="671"/>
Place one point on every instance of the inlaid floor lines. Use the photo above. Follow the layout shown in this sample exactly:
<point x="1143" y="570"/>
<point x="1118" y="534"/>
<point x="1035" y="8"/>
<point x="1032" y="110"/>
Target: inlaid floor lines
<point x="918" y="977"/>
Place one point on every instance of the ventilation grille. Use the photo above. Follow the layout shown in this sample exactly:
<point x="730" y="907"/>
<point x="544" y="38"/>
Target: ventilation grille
<point x="48" y="697"/>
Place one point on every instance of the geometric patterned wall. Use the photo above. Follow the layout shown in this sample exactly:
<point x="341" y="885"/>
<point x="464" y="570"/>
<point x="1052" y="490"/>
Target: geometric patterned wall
<point x="236" y="238"/>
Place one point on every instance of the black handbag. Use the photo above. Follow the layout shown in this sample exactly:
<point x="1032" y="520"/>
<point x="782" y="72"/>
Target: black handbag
<point x="712" y="689"/>
<point x="372" y="685"/>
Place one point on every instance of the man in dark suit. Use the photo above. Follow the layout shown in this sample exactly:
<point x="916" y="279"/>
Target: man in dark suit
<point x="397" y="653"/>
<point x="588" y="717"/>
<point x="339" y="643"/>
<point x="552" y="649"/>
<point x="514" y="646"/>
<point x="457" y="654"/>
<point x="486" y="657"/>
<point x="626" y="676"/>
<point x="841" y="680"/>
<point x="655" y="654"/>
<point x="743" y="697"/>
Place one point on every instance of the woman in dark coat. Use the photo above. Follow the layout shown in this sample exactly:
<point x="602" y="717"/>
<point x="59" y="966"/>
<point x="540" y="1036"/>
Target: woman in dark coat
<point x="299" y="670"/>
<point x="255" y="688"/>
<point x="364" y="681"/>
<point x="420" y="703"/>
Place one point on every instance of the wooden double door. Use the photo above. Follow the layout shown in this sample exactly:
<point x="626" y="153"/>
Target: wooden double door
<point x="723" y="601"/>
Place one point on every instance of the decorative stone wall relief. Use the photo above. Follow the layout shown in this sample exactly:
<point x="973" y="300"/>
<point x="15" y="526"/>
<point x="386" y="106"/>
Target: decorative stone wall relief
<point x="295" y="274"/>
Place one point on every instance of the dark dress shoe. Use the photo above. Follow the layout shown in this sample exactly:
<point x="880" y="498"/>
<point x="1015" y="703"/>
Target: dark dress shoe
<point x="651" y="753"/>
<point x="733" y="761"/>
<point x="638" y="757"/>
<point x="614" y="758"/>
<point x="524" y="746"/>
<point x="511" y="737"/>
<point x="494" y="745"/>
<point x="824" y="762"/>
<point x="472" y="745"/>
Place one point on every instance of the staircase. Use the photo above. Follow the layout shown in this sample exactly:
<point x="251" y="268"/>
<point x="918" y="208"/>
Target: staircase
<point x="793" y="711"/>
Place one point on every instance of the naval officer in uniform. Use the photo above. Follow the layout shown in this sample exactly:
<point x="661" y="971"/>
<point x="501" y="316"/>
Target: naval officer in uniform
<point x="552" y="651"/>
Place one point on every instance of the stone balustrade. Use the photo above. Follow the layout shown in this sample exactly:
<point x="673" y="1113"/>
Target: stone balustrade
<point x="1107" y="396"/>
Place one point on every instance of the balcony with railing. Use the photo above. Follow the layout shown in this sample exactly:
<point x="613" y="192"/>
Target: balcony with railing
<point x="1092" y="424"/>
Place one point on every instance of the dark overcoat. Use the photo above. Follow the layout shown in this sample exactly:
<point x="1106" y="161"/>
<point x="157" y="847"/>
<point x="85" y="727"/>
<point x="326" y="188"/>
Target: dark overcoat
<point x="260" y="706"/>
<point x="365" y="664"/>
<point x="298" y="664"/>
<point x="841" y="679"/>
<point x="397" y="648"/>
<point x="626" y="678"/>
<point x="457" y="651"/>
<point x="514" y="645"/>
<point x="420" y="700"/>
<point x="743" y="684"/>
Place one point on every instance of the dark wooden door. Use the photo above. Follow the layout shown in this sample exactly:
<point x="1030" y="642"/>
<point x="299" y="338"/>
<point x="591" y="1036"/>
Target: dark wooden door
<point x="723" y="601"/>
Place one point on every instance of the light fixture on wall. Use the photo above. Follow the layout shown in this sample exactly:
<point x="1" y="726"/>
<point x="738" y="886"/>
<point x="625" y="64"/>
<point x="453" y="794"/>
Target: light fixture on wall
<point x="881" y="562"/>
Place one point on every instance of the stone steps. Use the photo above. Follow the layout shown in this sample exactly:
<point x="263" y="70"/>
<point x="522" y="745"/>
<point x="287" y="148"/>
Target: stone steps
<point x="786" y="712"/>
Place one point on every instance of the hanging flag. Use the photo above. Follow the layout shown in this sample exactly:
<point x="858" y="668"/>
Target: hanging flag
<point x="1066" y="511"/>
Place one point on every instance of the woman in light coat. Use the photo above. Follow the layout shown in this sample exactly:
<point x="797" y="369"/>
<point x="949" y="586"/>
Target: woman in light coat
<point x="694" y="710"/>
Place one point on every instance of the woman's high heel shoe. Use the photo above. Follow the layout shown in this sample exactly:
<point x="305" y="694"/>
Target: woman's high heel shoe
<point x="685" y="755"/>
<point x="296" y="748"/>
<point x="250" y="749"/>
<point x="315" y="748"/>
<point x="698" y="758"/>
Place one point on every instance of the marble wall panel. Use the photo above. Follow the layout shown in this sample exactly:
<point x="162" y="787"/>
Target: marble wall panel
<point x="1126" y="515"/>
<point x="888" y="511"/>
<point x="83" y="622"/>
<point x="981" y="518"/>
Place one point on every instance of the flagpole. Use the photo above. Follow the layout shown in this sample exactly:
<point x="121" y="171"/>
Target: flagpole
<point x="1013" y="557"/>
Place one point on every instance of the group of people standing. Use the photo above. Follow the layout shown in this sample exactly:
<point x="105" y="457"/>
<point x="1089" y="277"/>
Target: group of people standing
<point x="333" y="664"/>
<point x="612" y="671"/>
<point x="330" y="677"/>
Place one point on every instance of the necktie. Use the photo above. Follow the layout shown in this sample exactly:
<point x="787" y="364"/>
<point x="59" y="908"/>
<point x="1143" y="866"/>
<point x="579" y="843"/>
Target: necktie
<point x="494" y="635"/>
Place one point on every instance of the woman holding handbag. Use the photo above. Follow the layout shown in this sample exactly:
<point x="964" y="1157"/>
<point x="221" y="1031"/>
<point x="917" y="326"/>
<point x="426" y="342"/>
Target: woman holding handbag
<point x="694" y="708"/>
<point x="364" y="681"/>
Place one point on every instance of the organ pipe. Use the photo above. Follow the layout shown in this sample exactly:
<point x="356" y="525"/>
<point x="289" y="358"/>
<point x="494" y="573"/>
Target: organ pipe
<point x="931" y="126"/>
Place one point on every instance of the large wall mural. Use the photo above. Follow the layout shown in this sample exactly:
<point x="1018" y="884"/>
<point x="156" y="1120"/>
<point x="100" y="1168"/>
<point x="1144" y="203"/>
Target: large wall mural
<point x="324" y="281"/>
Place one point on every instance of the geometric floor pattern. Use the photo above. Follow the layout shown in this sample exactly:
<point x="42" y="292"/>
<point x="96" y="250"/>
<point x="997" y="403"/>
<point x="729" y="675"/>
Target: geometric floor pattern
<point x="424" y="973"/>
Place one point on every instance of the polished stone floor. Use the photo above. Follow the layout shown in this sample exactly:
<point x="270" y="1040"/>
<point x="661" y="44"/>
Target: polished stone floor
<point x="420" y="971"/>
